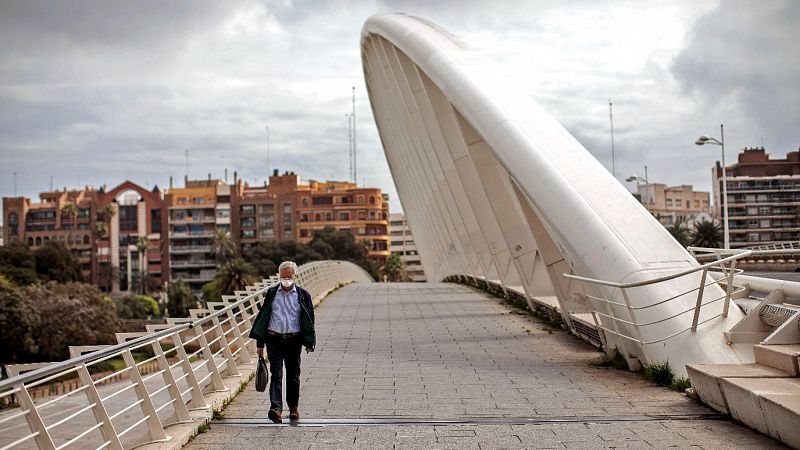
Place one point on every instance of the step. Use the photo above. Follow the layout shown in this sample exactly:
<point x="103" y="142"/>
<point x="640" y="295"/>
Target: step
<point x="769" y="405"/>
<point x="706" y="379"/>
<point x="785" y="357"/>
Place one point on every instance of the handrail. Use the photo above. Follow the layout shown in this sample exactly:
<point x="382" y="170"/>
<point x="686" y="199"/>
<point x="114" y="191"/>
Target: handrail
<point x="216" y="354"/>
<point x="739" y="254"/>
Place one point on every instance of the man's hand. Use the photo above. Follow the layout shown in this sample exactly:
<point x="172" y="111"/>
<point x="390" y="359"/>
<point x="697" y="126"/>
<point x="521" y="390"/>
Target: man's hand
<point x="309" y="349"/>
<point x="260" y="352"/>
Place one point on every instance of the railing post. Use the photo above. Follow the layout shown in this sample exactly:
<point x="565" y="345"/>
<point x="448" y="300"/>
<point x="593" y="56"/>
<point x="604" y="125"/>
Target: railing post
<point x="633" y="316"/>
<point x="728" y="289"/>
<point x="99" y="410"/>
<point x="231" y="370"/>
<point x="154" y="425"/>
<point x="244" y="355"/>
<point x="43" y="439"/>
<point x="216" y="378"/>
<point x="197" y="401"/>
<point x="699" y="300"/>
<point x="181" y="412"/>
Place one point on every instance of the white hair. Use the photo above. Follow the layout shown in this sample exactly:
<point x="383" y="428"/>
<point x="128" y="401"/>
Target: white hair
<point x="288" y="265"/>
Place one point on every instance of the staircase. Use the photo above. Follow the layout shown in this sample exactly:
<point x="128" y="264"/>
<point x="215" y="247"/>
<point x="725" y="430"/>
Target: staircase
<point x="764" y="396"/>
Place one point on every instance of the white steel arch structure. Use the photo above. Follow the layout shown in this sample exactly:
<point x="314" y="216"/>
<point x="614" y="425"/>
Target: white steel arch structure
<point x="495" y="188"/>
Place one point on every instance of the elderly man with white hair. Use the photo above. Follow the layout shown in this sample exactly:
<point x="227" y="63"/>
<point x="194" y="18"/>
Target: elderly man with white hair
<point x="285" y="324"/>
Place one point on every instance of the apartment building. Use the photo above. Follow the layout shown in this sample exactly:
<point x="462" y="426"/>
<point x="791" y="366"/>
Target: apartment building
<point x="675" y="204"/>
<point x="402" y="243"/>
<point x="286" y="209"/>
<point x="764" y="196"/>
<point x="194" y="213"/>
<point x="102" y="234"/>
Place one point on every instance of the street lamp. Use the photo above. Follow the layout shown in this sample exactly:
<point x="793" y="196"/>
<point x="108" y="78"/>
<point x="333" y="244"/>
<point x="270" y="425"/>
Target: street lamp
<point x="703" y="140"/>
<point x="637" y="179"/>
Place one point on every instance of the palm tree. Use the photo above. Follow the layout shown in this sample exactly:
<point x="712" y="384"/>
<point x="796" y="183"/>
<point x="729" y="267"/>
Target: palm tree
<point x="98" y="231"/>
<point x="707" y="234"/>
<point x="142" y="245"/>
<point x="69" y="211"/>
<point x="223" y="246"/>
<point x="235" y="275"/>
<point x="681" y="233"/>
<point x="394" y="268"/>
<point x="108" y="213"/>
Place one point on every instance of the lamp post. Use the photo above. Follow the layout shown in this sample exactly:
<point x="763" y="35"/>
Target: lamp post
<point x="703" y="140"/>
<point x="637" y="178"/>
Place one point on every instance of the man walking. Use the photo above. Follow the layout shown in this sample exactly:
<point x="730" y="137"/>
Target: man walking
<point x="285" y="324"/>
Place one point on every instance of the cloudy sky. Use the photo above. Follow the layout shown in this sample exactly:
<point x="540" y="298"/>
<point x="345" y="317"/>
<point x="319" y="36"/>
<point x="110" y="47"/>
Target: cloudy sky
<point x="95" y="92"/>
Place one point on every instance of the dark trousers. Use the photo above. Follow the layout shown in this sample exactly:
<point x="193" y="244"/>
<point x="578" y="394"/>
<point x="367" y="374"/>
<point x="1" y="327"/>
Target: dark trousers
<point x="280" y="352"/>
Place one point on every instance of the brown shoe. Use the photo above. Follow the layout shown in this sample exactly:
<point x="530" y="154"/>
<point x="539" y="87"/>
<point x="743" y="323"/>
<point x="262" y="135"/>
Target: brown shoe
<point x="274" y="415"/>
<point x="294" y="414"/>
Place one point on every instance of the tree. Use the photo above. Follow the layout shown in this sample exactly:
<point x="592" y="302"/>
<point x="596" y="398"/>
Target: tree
<point x="681" y="233"/>
<point x="98" y="231"/>
<point x="136" y="307"/>
<point x="707" y="234"/>
<point x="394" y="268"/>
<point x="70" y="211"/>
<point x="211" y="292"/>
<point x="180" y="299"/>
<point x="223" y="246"/>
<point x="17" y="322"/>
<point x="70" y="314"/>
<point x="18" y="264"/>
<point x="55" y="262"/>
<point x="235" y="275"/>
<point x="143" y="279"/>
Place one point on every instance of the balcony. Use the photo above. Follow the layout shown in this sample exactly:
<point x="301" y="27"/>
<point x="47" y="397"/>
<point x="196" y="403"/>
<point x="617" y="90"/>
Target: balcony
<point x="193" y="219"/>
<point x="198" y="263"/>
<point x="178" y="249"/>
<point x="192" y="234"/>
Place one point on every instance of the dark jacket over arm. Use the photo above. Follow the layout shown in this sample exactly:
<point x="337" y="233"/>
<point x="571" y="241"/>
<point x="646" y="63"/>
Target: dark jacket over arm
<point x="261" y="323"/>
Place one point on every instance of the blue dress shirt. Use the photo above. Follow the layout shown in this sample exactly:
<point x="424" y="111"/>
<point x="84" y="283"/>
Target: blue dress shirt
<point x="285" y="312"/>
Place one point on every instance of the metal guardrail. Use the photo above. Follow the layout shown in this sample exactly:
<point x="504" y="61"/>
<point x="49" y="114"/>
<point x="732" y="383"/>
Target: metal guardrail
<point x="728" y="273"/>
<point x="205" y="348"/>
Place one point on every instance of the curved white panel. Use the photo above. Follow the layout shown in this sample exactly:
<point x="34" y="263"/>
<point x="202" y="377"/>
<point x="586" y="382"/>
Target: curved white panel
<point x="494" y="187"/>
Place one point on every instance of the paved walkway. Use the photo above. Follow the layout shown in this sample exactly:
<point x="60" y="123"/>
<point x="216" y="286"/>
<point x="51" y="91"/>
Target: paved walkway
<point x="418" y="353"/>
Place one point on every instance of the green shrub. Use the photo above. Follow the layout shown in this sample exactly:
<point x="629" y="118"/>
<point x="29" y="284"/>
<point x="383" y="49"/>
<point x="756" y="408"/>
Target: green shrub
<point x="617" y="361"/>
<point x="681" y="384"/>
<point x="660" y="373"/>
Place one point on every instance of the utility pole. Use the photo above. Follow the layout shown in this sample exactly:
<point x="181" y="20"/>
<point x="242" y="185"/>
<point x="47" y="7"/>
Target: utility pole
<point x="15" y="184"/>
<point x="268" y="173"/>
<point x="350" y="145"/>
<point x="51" y="183"/>
<point x="611" y="119"/>
<point x="187" y="164"/>
<point x="355" y="158"/>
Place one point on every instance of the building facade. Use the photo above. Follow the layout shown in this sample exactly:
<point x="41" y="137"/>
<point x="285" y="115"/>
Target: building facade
<point x="764" y="198"/>
<point x="102" y="233"/>
<point x="675" y="204"/>
<point x="402" y="243"/>
<point x="180" y="224"/>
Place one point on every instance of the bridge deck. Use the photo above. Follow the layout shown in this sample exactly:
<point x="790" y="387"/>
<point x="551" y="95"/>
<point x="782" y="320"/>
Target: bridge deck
<point x="393" y="360"/>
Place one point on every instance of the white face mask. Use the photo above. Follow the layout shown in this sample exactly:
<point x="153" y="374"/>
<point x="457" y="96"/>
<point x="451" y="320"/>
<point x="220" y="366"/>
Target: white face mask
<point x="287" y="282"/>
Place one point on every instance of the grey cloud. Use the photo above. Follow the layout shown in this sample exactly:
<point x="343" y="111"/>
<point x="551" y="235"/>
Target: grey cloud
<point x="746" y="54"/>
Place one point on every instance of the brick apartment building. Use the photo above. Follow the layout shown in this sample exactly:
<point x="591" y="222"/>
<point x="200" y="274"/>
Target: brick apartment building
<point x="764" y="196"/>
<point x="103" y="234"/>
<point x="180" y="224"/>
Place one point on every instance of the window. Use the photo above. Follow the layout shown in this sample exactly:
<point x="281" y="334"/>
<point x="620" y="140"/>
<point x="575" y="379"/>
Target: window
<point x="322" y="200"/>
<point x="248" y="234"/>
<point x="669" y="202"/>
<point x="127" y="218"/>
<point x="344" y="216"/>
<point x="362" y="215"/>
<point x="247" y="209"/>
<point x="248" y="222"/>
<point x="304" y="217"/>
<point x="360" y="199"/>
<point x="287" y="208"/>
<point x="287" y="220"/>
<point x="85" y="240"/>
<point x="752" y="237"/>
<point x="223" y="213"/>
<point x="84" y="213"/>
<point x="765" y="223"/>
<point x="266" y="209"/>
<point x="303" y="232"/>
<point x="13" y="224"/>
<point x="266" y="221"/>
<point x="688" y="204"/>
<point x="38" y="240"/>
<point x="317" y="217"/>
<point x="305" y="201"/>
<point x="763" y="210"/>
<point x="287" y="233"/>
<point x="224" y="226"/>
<point x="328" y="217"/>
<point x="155" y="220"/>
<point x="372" y="215"/>
<point x="752" y="224"/>
<point x="266" y="233"/>
<point x="30" y="242"/>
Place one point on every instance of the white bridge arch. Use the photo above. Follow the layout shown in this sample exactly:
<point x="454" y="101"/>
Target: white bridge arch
<point x="495" y="188"/>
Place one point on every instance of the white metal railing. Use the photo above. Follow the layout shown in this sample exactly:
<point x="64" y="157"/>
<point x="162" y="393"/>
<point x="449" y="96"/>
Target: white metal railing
<point x="727" y="266"/>
<point x="794" y="245"/>
<point x="192" y="354"/>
